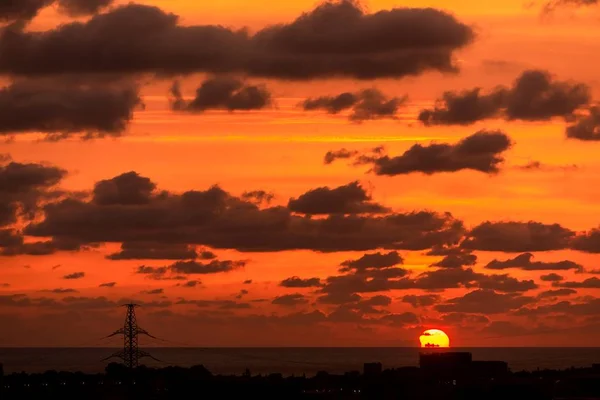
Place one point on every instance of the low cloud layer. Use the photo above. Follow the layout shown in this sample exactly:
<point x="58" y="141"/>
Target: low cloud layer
<point x="535" y="96"/>
<point x="335" y="39"/>
<point x="222" y="93"/>
<point x="481" y="152"/>
<point x="66" y="109"/>
<point x="368" y="104"/>
<point x="348" y="199"/>
<point x="25" y="10"/>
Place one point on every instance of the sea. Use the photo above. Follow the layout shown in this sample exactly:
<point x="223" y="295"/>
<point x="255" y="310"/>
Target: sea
<point x="287" y="361"/>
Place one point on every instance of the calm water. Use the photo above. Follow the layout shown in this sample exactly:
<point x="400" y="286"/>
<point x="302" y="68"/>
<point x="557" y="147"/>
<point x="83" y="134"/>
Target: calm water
<point x="285" y="360"/>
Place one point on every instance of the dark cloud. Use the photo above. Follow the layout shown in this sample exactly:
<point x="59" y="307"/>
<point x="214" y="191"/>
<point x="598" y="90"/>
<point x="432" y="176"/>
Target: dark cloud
<point x="290" y="300"/>
<point x="190" y="284"/>
<point x="220" y="304"/>
<point x="484" y="302"/>
<point x="586" y="127"/>
<point x="368" y="104"/>
<point x="481" y="151"/>
<point x="523" y="261"/>
<point x="456" y="260"/>
<point x="552" y="278"/>
<point x="12" y="243"/>
<point x="421" y="300"/>
<point x="517" y="237"/>
<point x="62" y="109"/>
<point x="153" y="291"/>
<point x="587" y="241"/>
<point x="219" y="220"/>
<point x="590" y="283"/>
<point x="349" y="199"/>
<point x="467" y="278"/>
<point x="76" y="8"/>
<point x="552" y="5"/>
<point x="60" y="291"/>
<point x="21" y="10"/>
<point x="212" y="267"/>
<point x="462" y="318"/>
<point x="335" y="39"/>
<point x="464" y="108"/>
<point x="534" y="96"/>
<point x="247" y="282"/>
<point x="258" y="197"/>
<point x="556" y="293"/>
<point x="373" y="261"/>
<point x="126" y="189"/>
<point x="222" y="93"/>
<point x="296" y="282"/>
<point x="25" y="10"/>
<point x="331" y="156"/>
<point x="399" y="320"/>
<point x="75" y="275"/>
<point x="590" y="306"/>
<point x="108" y="284"/>
<point x="22" y="187"/>
<point x="156" y="251"/>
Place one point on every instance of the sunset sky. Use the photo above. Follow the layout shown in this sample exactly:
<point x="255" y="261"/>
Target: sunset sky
<point x="296" y="173"/>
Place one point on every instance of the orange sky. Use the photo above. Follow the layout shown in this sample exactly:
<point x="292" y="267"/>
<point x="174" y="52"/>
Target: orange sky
<point x="281" y="149"/>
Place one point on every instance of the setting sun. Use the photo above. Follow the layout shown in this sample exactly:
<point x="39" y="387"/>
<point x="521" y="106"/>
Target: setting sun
<point x="434" y="338"/>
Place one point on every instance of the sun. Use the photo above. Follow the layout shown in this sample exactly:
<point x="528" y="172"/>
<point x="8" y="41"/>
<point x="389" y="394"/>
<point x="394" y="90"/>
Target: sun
<point x="434" y="338"/>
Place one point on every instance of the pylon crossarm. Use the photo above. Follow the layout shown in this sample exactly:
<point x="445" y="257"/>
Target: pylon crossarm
<point x="141" y="331"/>
<point x="115" y="333"/>
<point x="142" y="354"/>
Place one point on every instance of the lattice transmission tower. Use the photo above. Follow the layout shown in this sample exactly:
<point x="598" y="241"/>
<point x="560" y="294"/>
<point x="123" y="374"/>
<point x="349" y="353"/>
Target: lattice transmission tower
<point x="131" y="353"/>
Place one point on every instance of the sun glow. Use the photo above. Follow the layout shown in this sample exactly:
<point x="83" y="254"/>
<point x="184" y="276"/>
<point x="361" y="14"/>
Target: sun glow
<point x="434" y="338"/>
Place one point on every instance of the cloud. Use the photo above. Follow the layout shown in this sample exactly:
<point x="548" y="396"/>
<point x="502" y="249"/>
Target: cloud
<point x="296" y="282"/>
<point x="335" y="39"/>
<point x="258" y="197"/>
<point x="552" y="5"/>
<point x="75" y="275"/>
<point x="331" y="156"/>
<point x="556" y="293"/>
<point x="22" y="186"/>
<point x="222" y="93"/>
<point x="153" y="291"/>
<point x="534" y="96"/>
<point x="590" y="283"/>
<point x="481" y="152"/>
<point x="368" y="104"/>
<point x="76" y="8"/>
<point x="586" y="127"/>
<point x="484" y="302"/>
<point x="421" y="300"/>
<point x="219" y="220"/>
<point x="190" y="284"/>
<point x="589" y="307"/>
<point x="108" y="284"/>
<point x="60" y="291"/>
<point x="290" y="300"/>
<point x="349" y="199"/>
<point x="462" y="318"/>
<point x="373" y="261"/>
<point x="456" y="261"/>
<point x="552" y="278"/>
<point x="517" y="237"/>
<point x="156" y="251"/>
<point x="220" y="304"/>
<point x="25" y="10"/>
<point x="212" y="267"/>
<point x="62" y="109"/>
<point x="524" y="262"/>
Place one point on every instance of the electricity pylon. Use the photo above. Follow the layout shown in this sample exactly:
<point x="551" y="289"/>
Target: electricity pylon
<point x="130" y="354"/>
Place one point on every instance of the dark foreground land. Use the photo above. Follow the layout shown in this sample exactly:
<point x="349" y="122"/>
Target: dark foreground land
<point x="428" y="382"/>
